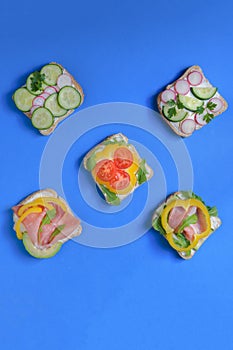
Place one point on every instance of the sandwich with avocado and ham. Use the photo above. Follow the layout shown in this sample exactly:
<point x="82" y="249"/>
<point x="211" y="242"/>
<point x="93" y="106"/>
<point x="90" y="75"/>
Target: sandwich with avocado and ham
<point x="44" y="221"/>
<point x="186" y="222"/>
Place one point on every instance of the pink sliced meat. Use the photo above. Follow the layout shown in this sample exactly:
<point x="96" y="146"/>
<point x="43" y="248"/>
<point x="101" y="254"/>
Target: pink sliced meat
<point x="32" y="224"/>
<point x="48" y="229"/>
<point x="70" y="224"/>
<point x="189" y="233"/>
<point x="176" y="216"/>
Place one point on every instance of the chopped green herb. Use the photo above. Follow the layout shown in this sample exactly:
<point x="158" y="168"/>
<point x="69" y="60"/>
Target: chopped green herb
<point x="141" y="173"/>
<point x="171" y="112"/>
<point x="208" y="117"/>
<point x="113" y="141"/>
<point x="56" y="232"/>
<point x="181" y="240"/>
<point x="171" y="103"/>
<point x="111" y="196"/>
<point x="192" y="219"/>
<point x="212" y="211"/>
<point x="158" y="225"/>
<point x="200" y="109"/>
<point x="37" y="80"/>
<point x="179" y="104"/>
<point x="211" y="105"/>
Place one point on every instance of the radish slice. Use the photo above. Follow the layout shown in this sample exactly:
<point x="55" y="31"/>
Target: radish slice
<point x="195" y="78"/>
<point x="218" y="103"/>
<point x="182" y="87"/>
<point x="188" y="126"/>
<point x="64" y="80"/>
<point x="56" y="88"/>
<point x="199" y="119"/>
<point x="33" y="108"/>
<point x="38" y="101"/>
<point x="44" y="95"/>
<point x="168" y="95"/>
<point x="50" y="90"/>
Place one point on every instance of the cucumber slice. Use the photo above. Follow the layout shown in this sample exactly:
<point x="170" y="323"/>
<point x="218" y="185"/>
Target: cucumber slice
<point x="204" y="93"/>
<point x="180" y="114"/>
<point x="29" y="86"/>
<point x="69" y="97"/>
<point x="190" y="103"/>
<point x="42" y="118"/>
<point x="23" y="99"/>
<point x="52" y="104"/>
<point x="51" y="72"/>
<point x="40" y="253"/>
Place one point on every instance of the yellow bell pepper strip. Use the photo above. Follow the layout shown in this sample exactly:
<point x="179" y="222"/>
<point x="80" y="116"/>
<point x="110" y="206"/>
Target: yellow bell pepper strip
<point x="185" y="204"/>
<point x="45" y="202"/>
<point x="22" y="217"/>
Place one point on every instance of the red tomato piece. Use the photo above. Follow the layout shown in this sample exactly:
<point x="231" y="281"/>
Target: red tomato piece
<point x="120" y="180"/>
<point x="123" y="158"/>
<point x="105" y="169"/>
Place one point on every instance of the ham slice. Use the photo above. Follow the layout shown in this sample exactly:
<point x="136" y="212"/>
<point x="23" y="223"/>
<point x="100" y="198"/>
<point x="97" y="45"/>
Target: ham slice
<point x="176" y="216"/>
<point x="62" y="219"/>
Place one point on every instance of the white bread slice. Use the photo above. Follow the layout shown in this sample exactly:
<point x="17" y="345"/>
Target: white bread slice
<point x="123" y="138"/>
<point x="49" y="193"/>
<point x="215" y="221"/>
<point x="49" y="131"/>
<point x="186" y="73"/>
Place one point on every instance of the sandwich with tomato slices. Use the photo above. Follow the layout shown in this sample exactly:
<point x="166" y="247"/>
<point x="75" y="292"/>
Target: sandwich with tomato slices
<point x="186" y="222"/>
<point x="117" y="168"/>
<point x="44" y="221"/>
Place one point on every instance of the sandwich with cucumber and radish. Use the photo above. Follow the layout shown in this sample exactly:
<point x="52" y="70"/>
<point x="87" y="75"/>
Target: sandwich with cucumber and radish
<point x="44" y="222"/>
<point x="186" y="222"/>
<point x="190" y="102"/>
<point x="48" y="96"/>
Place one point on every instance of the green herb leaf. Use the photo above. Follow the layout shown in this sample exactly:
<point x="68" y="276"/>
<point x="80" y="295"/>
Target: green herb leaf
<point x="213" y="211"/>
<point x="181" y="240"/>
<point x="157" y="225"/>
<point x="111" y="196"/>
<point x="56" y="232"/>
<point x="141" y="173"/>
<point x="91" y="162"/>
<point x="171" y="112"/>
<point x="171" y="103"/>
<point x="208" y="117"/>
<point x="200" y="109"/>
<point x="113" y="141"/>
<point x="192" y="219"/>
<point x="37" y="80"/>
<point x="211" y="105"/>
<point x="179" y="104"/>
<point x="50" y="215"/>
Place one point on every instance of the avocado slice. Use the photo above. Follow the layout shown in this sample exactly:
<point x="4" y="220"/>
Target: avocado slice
<point x="40" y="253"/>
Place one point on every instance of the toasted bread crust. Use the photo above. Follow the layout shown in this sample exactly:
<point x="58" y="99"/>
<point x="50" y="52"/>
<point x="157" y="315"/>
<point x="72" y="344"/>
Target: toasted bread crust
<point x="186" y="73"/>
<point x="49" y="131"/>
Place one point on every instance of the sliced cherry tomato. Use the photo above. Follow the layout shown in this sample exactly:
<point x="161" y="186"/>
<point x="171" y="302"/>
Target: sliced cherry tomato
<point x="105" y="169"/>
<point x="120" y="180"/>
<point x="123" y="158"/>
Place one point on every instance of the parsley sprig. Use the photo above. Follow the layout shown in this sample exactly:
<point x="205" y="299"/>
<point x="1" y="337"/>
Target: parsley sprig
<point x="36" y="81"/>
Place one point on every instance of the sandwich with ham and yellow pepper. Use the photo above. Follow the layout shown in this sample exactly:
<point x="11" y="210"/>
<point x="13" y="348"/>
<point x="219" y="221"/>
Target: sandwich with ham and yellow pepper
<point x="186" y="222"/>
<point x="44" y="221"/>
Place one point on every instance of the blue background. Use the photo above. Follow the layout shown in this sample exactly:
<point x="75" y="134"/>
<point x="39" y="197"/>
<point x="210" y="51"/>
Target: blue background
<point x="139" y="296"/>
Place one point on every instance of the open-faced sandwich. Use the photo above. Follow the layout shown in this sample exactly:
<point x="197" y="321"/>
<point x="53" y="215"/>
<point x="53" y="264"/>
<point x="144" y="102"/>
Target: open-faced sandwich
<point x="44" y="221"/>
<point x="49" y="96"/>
<point x="117" y="168"/>
<point x="186" y="222"/>
<point x="190" y="102"/>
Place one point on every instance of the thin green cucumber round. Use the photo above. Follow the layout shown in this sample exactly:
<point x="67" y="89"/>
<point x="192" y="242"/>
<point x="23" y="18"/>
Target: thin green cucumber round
<point x="30" y="88"/>
<point x="204" y="93"/>
<point x="180" y="114"/>
<point x="23" y="99"/>
<point x="51" y="72"/>
<point x="52" y="104"/>
<point x="69" y="97"/>
<point x="42" y="118"/>
<point x="190" y="103"/>
<point x="40" y="253"/>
